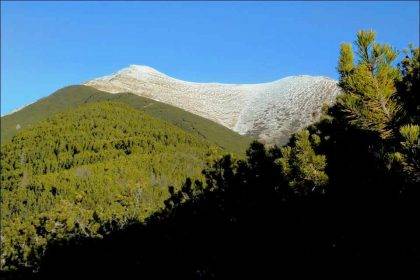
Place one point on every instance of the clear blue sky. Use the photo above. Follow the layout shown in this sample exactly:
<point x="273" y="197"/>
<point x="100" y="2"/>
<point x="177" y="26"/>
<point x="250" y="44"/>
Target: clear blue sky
<point x="47" y="45"/>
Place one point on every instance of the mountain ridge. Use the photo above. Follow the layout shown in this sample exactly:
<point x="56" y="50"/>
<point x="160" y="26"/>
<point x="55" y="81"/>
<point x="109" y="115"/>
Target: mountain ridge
<point x="73" y="96"/>
<point x="137" y="68"/>
<point x="270" y="111"/>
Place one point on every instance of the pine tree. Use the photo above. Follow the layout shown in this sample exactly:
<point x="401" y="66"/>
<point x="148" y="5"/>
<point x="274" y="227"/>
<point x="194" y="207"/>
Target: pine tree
<point x="409" y="86"/>
<point x="369" y="85"/>
<point x="301" y="165"/>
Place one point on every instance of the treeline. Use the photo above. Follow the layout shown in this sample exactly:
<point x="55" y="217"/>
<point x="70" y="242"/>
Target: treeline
<point x="89" y="171"/>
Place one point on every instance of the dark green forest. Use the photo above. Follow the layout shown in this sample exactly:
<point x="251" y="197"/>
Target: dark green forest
<point x="341" y="197"/>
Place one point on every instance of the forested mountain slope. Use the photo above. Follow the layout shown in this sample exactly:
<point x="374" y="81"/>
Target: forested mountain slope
<point x="74" y="96"/>
<point x="341" y="198"/>
<point x="87" y="171"/>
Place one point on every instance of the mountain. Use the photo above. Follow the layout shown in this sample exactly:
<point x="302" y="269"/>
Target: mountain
<point x="269" y="111"/>
<point x="87" y="171"/>
<point x="74" y="96"/>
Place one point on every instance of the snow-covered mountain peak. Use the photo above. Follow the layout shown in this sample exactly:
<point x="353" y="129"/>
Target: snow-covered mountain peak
<point x="271" y="111"/>
<point x="139" y="71"/>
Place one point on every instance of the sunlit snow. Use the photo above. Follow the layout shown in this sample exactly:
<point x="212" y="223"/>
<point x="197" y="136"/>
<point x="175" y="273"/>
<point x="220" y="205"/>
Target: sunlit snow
<point x="271" y="111"/>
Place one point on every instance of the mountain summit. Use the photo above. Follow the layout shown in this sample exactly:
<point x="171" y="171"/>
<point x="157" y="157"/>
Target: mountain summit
<point x="270" y="111"/>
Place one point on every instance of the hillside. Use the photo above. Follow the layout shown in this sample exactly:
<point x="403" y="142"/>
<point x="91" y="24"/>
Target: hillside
<point x="74" y="96"/>
<point x="341" y="197"/>
<point x="90" y="170"/>
<point x="270" y="111"/>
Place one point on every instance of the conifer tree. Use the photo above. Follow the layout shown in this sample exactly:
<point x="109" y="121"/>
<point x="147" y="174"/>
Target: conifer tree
<point x="301" y="165"/>
<point x="409" y="86"/>
<point x="369" y="84"/>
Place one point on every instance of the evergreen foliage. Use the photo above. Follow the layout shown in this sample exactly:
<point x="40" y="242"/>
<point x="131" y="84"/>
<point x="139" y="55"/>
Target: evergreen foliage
<point x="342" y="195"/>
<point x="370" y="84"/>
<point x="89" y="171"/>
<point x="382" y="99"/>
<point x="73" y="96"/>
<point x="409" y="86"/>
<point x="301" y="166"/>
